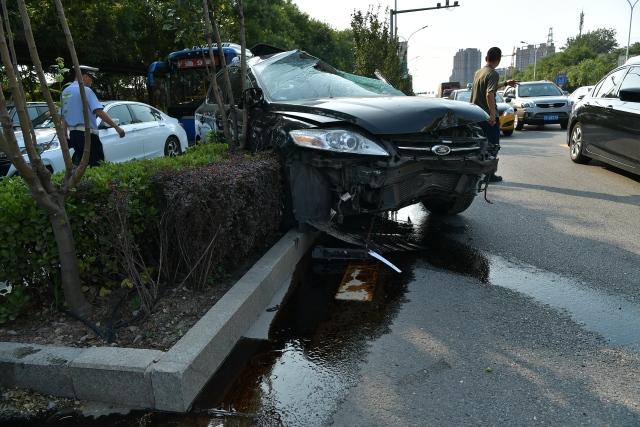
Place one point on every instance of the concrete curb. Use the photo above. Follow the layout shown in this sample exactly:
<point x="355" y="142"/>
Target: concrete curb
<point x="154" y="379"/>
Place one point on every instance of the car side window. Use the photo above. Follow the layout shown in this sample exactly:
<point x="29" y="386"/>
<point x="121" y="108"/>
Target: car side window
<point x="609" y="86"/>
<point x="32" y="112"/>
<point x="632" y="79"/>
<point x="143" y="113"/>
<point x="121" y="112"/>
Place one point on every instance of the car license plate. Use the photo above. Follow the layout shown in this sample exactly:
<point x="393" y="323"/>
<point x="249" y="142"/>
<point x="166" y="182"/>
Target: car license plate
<point x="550" y="118"/>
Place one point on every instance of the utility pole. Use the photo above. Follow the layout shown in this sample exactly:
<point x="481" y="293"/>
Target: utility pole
<point x="393" y="12"/>
<point x="581" y="23"/>
<point x="630" y="20"/>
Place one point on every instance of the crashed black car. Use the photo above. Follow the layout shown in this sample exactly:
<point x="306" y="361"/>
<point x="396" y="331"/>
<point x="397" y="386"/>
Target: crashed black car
<point x="354" y="145"/>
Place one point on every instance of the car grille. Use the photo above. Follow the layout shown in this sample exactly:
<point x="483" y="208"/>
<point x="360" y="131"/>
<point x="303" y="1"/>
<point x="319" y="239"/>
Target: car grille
<point x="551" y="105"/>
<point x="459" y="140"/>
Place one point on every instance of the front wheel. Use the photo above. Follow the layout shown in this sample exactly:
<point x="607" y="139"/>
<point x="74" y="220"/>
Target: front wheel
<point x="576" y="146"/>
<point x="172" y="147"/>
<point x="454" y="206"/>
<point x="507" y="132"/>
<point x="518" y="124"/>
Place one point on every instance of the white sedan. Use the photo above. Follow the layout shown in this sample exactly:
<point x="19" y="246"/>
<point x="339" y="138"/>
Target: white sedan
<point x="149" y="133"/>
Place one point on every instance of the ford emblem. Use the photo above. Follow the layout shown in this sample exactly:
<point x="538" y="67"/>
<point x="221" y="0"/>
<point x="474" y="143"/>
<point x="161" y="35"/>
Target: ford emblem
<point x="441" y="150"/>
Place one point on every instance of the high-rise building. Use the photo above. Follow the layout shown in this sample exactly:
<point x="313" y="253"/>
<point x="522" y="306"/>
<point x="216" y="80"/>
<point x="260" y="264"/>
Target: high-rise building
<point x="465" y="63"/>
<point x="528" y="55"/>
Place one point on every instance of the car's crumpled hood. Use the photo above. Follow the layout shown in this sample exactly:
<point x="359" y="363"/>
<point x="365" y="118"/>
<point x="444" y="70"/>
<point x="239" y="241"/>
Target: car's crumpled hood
<point x="386" y="115"/>
<point x="545" y="99"/>
<point x="42" y="136"/>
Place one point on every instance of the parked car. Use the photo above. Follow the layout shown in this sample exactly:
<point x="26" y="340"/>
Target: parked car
<point x="504" y="110"/>
<point x="538" y="103"/>
<point x="351" y="144"/>
<point x="148" y="133"/>
<point x="606" y="125"/>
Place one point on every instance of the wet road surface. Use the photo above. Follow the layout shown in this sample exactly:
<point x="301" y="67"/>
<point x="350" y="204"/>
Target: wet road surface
<point x="496" y="322"/>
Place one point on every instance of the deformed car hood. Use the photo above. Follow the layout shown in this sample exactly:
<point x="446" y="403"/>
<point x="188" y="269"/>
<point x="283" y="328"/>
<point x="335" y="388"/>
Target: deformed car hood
<point x="385" y="115"/>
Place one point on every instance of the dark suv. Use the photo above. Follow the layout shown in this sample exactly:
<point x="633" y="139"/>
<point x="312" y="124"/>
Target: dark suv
<point x="605" y="125"/>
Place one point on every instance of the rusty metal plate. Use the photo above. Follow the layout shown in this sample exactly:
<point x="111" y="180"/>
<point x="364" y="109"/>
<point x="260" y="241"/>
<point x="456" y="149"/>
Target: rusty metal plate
<point x="358" y="283"/>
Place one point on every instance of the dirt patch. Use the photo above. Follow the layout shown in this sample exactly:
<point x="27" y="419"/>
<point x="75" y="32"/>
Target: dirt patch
<point x="116" y="322"/>
<point x="21" y="405"/>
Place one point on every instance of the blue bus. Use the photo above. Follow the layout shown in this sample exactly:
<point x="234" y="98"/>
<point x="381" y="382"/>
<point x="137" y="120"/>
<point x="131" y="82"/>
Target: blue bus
<point x="179" y="84"/>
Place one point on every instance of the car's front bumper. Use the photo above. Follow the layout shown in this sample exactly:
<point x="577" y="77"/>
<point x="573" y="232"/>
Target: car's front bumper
<point x="542" y="116"/>
<point x="321" y="187"/>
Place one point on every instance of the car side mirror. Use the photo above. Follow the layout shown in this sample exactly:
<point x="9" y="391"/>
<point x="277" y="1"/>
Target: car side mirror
<point x="630" y="95"/>
<point x="508" y="99"/>
<point x="253" y="96"/>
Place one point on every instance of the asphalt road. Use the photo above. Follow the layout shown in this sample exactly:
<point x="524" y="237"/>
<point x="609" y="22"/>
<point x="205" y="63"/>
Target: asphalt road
<point x="521" y="312"/>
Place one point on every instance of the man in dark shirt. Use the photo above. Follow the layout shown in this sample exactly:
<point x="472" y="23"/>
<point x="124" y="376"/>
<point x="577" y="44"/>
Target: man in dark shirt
<point x="483" y="94"/>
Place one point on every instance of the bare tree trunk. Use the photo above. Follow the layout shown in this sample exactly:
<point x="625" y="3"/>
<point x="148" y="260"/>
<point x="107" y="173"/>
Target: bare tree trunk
<point x="84" y="162"/>
<point x="227" y="80"/>
<point x="69" y="272"/>
<point x="243" y="62"/>
<point x="214" y="82"/>
<point x="48" y="195"/>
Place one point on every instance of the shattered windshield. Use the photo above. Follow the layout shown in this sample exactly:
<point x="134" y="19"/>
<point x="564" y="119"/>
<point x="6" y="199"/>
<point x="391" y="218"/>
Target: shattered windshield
<point x="297" y="75"/>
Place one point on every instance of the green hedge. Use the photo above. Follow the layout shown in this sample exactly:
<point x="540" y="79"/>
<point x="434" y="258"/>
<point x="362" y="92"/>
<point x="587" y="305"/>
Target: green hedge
<point x="28" y="254"/>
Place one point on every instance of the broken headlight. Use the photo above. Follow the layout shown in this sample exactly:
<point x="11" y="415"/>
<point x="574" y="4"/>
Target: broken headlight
<point x="343" y="141"/>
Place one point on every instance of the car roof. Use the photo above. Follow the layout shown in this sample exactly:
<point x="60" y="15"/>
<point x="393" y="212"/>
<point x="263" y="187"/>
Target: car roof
<point x="634" y="60"/>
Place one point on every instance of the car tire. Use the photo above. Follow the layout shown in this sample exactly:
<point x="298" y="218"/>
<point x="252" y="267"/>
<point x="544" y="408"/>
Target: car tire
<point x="576" y="145"/>
<point x="517" y="123"/>
<point x="507" y="132"/>
<point x="564" y="125"/>
<point x="453" y="206"/>
<point x="172" y="147"/>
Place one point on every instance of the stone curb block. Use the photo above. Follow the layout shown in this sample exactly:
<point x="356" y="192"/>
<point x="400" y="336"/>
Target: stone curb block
<point x="183" y="371"/>
<point x="151" y="378"/>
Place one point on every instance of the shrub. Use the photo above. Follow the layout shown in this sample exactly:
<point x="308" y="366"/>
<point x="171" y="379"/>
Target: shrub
<point x="237" y="197"/>
<point x="216" y="215"/>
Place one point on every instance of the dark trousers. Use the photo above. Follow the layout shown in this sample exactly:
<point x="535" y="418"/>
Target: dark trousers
<point x="76" y="141"/>
<point x="493" y="135"/>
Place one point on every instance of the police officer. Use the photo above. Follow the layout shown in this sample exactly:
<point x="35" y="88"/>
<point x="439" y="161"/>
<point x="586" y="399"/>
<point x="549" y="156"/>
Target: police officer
<point x="72" y="114"/>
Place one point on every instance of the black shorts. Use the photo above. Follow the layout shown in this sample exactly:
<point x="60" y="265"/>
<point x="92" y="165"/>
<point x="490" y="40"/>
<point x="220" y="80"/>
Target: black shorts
<point x="76" y="141"/>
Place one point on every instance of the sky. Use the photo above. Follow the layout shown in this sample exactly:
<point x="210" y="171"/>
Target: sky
<point x="480" y="24"/>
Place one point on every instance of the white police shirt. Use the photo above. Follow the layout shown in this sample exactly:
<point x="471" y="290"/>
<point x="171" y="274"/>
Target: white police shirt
<point x="71" y="105"/>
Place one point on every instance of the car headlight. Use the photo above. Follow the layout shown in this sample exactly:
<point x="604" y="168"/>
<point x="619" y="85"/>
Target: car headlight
<point x="527" y="105"/>
<point x="43" y="146"/>
<point x="343" y="141"/>
<point x="508" y="112"/>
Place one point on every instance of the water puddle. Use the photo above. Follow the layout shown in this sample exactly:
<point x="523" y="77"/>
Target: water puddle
<point x="615" y="318"/>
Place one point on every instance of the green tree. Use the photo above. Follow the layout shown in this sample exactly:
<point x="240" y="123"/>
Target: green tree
<point x="602" y="40"/>
<point x="374" y="48"/>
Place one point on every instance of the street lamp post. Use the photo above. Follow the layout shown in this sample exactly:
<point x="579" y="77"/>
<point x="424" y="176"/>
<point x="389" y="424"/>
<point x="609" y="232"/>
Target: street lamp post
<point x="630" y="20"/>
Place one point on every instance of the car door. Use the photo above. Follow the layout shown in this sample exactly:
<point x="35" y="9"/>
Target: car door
<point x="150" y="128"/>
<point x="117" y="149"/>
<point x="598" y="118"/>
<point x="624" y="141"/>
